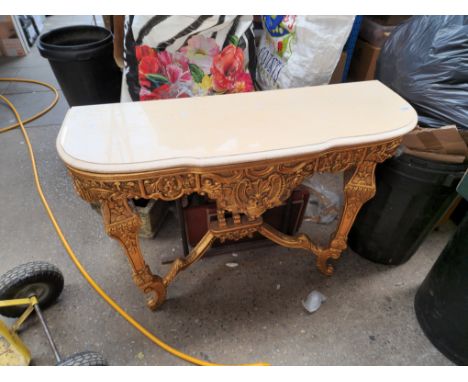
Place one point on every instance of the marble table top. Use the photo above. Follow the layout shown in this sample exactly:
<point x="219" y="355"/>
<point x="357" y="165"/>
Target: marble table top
<point x="227" y="129"/>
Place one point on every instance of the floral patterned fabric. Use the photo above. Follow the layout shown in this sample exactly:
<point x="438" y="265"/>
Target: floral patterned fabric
<point x="199" y="68"/>
<point x="202" y="65"/>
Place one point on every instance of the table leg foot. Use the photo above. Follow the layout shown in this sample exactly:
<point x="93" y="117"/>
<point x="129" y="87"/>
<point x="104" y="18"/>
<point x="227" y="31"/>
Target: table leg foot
<point x="323" y="265"/>
<point x="152" y="286"/>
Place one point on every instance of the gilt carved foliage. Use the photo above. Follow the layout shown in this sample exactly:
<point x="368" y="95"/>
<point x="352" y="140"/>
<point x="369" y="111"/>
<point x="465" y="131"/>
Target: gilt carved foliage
<point x="249" y="189"/>
<point x="170" y="187"/>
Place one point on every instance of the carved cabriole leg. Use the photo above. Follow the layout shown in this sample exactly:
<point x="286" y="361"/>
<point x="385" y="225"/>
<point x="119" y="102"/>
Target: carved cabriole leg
<point x="246" y="191"/>
<point x="123" y="224"/>
<point x="357" y="190"/>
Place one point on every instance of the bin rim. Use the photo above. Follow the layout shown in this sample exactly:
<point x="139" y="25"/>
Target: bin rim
<point x="84" y="51"/>
<point x="424" y="163"/>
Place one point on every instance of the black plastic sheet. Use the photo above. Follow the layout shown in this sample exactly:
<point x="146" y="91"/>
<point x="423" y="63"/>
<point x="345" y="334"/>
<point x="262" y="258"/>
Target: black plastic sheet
<point x="425" y="60"/>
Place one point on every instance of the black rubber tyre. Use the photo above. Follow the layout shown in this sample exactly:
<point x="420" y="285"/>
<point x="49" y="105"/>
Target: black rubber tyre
<point x="38" y="278"/>
<point x="86" y="358"/>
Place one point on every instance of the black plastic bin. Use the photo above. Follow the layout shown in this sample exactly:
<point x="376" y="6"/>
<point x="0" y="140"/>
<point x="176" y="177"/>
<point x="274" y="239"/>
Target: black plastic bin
<point x="412" y="195"/>
<point x="82" y="60"/>
<point x="441" y="303"/>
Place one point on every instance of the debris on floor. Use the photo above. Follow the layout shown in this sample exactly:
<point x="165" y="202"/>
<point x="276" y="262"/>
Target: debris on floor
<point x="313" y="301"/>
<point x="140" y="356"/>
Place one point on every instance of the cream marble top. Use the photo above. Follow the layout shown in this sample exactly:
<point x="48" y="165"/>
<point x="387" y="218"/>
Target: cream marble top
<point x="206" y="131"/>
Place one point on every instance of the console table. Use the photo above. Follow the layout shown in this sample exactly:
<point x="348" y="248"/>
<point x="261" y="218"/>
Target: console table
<point x="245" y="151"/>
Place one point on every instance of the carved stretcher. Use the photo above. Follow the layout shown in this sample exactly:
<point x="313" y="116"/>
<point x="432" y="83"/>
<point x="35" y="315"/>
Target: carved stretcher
<point x="245" y="151"/>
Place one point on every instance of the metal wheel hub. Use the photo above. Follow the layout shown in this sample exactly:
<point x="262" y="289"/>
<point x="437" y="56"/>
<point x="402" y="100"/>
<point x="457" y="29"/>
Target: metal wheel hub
<point x="39" y="290"/>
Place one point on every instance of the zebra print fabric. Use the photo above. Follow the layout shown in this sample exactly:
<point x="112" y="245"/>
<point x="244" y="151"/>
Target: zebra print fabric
<point x="184" y="56"/>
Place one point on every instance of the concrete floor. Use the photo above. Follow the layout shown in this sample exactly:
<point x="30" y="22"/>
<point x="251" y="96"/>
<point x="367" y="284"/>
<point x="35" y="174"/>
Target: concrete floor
<point x="235" y="315"/>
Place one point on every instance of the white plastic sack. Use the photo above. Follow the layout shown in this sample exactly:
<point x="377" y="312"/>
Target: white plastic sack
<point x="298" y="51"/>
<point x="325" y="201"/>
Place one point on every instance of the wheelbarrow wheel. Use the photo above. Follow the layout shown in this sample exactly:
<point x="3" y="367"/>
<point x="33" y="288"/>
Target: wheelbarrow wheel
<point x="86" y="358"/>
<point x="38" y="278"/>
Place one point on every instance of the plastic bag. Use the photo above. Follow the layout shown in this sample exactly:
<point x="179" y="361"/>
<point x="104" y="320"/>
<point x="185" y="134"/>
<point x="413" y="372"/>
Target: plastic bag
<point x="325" y="202"/>
<point x="186" y="56"/>
<point x="425" y="60"/>
<point x="297" y="51"/>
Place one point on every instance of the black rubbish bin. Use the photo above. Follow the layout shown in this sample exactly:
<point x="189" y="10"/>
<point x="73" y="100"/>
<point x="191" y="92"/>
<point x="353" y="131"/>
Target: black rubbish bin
<point x="441" y="302"/>
<point x="82" y="60"/>
<point x="412" y="195"/>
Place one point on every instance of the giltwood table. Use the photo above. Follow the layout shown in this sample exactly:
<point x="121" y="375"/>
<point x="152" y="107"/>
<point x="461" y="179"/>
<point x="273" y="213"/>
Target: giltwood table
<point x="245" y="151"/>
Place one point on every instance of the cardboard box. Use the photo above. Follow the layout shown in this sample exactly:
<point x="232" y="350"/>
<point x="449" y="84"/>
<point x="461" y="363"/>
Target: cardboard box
<point x="7" y="30"/>
<point x="338" y="73"/>
<point x="364" y="61"/>
<point x="444" y="144"/>
<point x="374" y="32"/>
<point x="376" y="29"/>
<point x="464" y="135"/>
<point x="12" y="47"/>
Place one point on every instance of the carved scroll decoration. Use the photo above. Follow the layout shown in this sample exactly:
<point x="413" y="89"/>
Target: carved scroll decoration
<point x="246" y="189"/>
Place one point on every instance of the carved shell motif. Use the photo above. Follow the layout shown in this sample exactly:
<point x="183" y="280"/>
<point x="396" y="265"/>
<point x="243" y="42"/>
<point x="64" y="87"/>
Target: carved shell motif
<point x="256" y="196"/>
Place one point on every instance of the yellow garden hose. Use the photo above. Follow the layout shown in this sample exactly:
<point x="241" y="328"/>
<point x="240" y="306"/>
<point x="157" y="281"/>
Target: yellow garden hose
<point x="64" y="241"/>
<point x="35" y="116"/>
